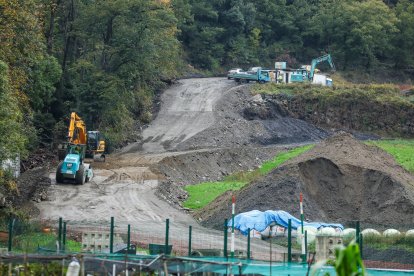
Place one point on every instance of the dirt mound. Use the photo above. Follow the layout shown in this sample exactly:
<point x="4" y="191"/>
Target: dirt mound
<point x="241" y="120"/>
<point x="32" y="187"/>
<point x="202" y="166"/>
<point x="342" y="180"/>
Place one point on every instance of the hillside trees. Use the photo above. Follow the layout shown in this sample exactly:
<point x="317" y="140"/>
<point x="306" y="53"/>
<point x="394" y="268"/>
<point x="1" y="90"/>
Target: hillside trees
<point x="31" y="72"/>
<point x="114" y="56"/>
<point x="361" y="35"/>
<point x="358" y="33"/>
<point x="404" y="54"/>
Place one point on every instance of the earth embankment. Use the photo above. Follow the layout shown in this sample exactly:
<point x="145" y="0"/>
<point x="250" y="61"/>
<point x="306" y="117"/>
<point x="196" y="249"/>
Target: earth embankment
<point x="342" y="180"/>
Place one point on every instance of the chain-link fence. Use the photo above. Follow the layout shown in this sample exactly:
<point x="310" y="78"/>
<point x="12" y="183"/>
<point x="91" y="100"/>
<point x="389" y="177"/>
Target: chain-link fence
<point x="105" y="243"/>
<point x="387" y="247"/>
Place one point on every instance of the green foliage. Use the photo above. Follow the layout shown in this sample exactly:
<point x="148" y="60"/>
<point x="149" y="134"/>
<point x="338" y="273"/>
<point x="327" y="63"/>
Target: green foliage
<point x="50" y="268"/>
<point x="401" y="150"/>
<point x="126" y="50"/>
<point x="391" y="242"/>
<point x="365" y="33"/>
<point x="202" y="194"/>
<point x="12" y="138"/>
<point x="29" y="242"/>
<point x="348" y="262"/>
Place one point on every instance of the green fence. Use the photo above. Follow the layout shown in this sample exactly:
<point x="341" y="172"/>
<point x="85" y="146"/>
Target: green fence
<point x="114" y="239"/>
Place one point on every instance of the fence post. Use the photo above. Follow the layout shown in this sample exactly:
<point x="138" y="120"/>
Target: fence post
<point x="361" y="245"/>
<point x="10" y="238"/>
<point x="60" y="233"/>
<point x="225" y="239"/>
<point x="248" y="244"/>
<point x="357" y="231"/>
<point x="190" y="228"/>
<point x="289" y="241"/>
<point x="64" y="237"/>
<point x="167" y="230"/>
<point x="129" y="238"/>
<point x="111" y="236"/>
<point x="306" y="245"/>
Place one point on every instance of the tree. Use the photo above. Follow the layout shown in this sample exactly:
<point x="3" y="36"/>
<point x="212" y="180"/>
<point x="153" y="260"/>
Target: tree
<point x="12" y="137"/>
<point x="356" y="33"/>
<point x="404" y="56"/>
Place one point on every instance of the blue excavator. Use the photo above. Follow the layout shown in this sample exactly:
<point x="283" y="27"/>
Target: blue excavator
<point x="307" y="74"/>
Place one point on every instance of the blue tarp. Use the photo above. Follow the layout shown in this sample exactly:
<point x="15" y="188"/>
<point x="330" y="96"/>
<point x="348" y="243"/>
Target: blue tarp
<point x="259" y="221"/>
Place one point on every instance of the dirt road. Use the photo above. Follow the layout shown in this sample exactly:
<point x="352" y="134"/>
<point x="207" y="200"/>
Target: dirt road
<point x="187" y="109"/>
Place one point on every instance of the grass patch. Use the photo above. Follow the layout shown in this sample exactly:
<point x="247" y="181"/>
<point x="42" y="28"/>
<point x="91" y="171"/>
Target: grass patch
<point x="202" y="194"/>
<point x="401" y="150"/>
<point x="30" y="242"/>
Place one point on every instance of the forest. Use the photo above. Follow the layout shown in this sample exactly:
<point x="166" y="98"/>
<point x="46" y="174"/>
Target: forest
<point x="108" y="59"/>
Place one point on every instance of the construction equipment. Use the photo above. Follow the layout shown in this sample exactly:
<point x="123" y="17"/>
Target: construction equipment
<point x="303" y="74"/>
<point x="260" y="76"/>
<point x="73" y="166"/>
<point x="96" y="146"/>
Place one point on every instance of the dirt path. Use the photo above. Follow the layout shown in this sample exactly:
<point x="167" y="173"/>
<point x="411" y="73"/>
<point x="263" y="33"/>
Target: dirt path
<point x="187" y="109"/>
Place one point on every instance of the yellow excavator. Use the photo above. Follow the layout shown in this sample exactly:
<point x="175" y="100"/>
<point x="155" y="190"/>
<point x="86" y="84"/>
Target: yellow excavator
<point x="96" y="146"/>
<point x="79" y="144"/>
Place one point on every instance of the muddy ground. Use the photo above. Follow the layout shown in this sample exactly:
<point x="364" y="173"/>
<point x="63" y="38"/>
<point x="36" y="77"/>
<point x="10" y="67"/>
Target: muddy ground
<point x="342" y="180"/>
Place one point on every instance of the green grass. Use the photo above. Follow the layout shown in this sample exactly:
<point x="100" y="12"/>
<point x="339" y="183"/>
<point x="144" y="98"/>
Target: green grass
<point x="401" y="150"/>
<point x="202" y="194"/>
<point x="390" y="243"/>
<point x="30" y="242"/>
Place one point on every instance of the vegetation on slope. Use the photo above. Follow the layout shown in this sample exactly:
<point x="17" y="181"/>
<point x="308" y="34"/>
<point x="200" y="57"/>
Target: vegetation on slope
<point x="202" y="194"/>
<point x="402" y="150"/>
<point x="378" y="108"/>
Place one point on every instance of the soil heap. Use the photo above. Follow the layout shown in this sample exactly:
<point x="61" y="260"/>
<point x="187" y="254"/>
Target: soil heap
<point x="341" y="179"/>
<point x="32" y="186"/>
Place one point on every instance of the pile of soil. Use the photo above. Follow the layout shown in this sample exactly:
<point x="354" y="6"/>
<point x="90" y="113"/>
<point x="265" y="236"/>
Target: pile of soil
<point x="209" y="165"/>
<point x="245" y="120"/>
<point x="341" y="179"/>
<point x="32" y="186"/>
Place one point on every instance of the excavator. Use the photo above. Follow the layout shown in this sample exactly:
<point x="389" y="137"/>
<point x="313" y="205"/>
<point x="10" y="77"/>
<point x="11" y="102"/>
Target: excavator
<point x="73" y="166"/>
<point x="95" y="146"/>
<point x="307" y="74"/>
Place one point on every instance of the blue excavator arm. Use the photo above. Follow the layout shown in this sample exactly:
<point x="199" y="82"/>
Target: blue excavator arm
<point x="318" y="60"/>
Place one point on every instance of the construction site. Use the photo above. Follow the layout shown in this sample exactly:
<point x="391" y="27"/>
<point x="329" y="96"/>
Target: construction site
<point x="129" y="216"/>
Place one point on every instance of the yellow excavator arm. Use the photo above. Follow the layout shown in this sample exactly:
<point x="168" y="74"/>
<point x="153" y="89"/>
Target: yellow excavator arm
<point x="77" y="130"/>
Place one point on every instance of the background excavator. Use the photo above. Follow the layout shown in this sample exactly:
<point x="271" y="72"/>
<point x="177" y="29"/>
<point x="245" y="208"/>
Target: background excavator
<point x="307" y="72"/>
<point x="73" y="166"/>
<point x="96" y="146"/>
